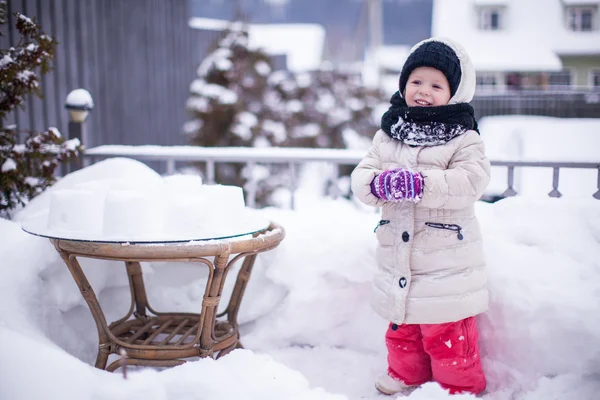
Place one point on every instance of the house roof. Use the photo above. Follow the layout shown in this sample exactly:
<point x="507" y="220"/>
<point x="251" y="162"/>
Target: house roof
<point x="533" y="37"/>
<point x="303" y="44"/>
<point x="392" y="57"/>
<point x="581" y="2"/>
<point x="491" y="2"/>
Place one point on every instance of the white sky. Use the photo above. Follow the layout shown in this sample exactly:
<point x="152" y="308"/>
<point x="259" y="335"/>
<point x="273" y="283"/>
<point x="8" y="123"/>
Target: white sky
<point x="534" y="35"/>
<point x="306" y="324"/>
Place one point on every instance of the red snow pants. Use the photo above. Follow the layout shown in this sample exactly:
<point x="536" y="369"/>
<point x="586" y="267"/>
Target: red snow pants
<point x="446" y="353"/>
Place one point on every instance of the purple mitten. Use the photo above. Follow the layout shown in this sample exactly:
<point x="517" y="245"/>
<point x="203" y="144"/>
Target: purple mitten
<point x="398" y="184"/>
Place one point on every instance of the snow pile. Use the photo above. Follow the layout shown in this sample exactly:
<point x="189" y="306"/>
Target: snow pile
<point x="305" y="318"/>
<point x="180" y="207"/>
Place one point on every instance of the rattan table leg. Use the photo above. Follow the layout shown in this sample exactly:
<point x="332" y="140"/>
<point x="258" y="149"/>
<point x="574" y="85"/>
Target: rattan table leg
<point x="238" y="290"/>
<point x="102" y="357"/>
<point x="136" y="281"/>
<point x="92" y="301"/>
<point x="211" y="302"/>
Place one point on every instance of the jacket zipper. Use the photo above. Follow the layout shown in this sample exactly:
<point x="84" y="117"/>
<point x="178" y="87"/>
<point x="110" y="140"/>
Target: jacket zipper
<point x="380" y="223"/>
<point x="450" y="227"/>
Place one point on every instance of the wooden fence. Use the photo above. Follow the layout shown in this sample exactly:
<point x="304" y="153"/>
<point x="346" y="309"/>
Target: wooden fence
<point x="136" y="57"/>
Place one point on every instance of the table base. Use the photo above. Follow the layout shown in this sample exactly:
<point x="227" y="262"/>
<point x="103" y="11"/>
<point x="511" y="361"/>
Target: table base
<point x="165" y="339"/>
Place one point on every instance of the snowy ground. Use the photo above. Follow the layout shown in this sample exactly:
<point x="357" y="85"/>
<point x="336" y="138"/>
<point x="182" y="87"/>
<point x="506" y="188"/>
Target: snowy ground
<point x="307" y="327"/>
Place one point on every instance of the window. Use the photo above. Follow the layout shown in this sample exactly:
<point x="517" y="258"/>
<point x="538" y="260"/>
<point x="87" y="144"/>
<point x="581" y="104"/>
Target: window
<point x="581" y="19"/>
<point x="490" y="18"/>
<point x="562" y="78"/>
<point x="595" y="78"/>
<point x="486" y="80"/>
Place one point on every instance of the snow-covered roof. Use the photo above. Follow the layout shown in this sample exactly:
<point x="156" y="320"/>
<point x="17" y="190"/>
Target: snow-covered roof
<point x="208" y="23"/>
<point x="533" y="37"/>
<point x="581" y="2"/>
<point x="491" y="2"/>
<point x="392" y="57"/>
<point x="303" y="44"/>
<point x="496" y="54"/>
<point x="383" y="69"/>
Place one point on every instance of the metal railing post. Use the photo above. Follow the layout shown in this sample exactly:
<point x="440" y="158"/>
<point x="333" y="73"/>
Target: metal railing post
<point x="170" y="166"/>
<point x="334" y="190"/>
<point x="597" y="194"/>
<point x="210" y="172"/>
<point x="293" y="185"/>
<point x="510" y="191"/>
<point x="555" y="192"/>
<point x="251" y="186"/>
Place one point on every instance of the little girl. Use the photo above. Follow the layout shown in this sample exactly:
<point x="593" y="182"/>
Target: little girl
<point x="426" y="169"/>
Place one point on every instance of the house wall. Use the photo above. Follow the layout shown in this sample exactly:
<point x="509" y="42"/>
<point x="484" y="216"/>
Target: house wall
<point x="582" y="66"/>
<point x="523" y="44"/>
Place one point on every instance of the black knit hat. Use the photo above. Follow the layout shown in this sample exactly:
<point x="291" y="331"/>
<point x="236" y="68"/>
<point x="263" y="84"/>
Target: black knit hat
<point x="437" y="55"/>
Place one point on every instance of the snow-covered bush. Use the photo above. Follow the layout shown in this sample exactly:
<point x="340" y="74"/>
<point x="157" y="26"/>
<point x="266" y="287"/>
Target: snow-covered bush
<point x="26" y="168"/>
<point x="239" y="100"/>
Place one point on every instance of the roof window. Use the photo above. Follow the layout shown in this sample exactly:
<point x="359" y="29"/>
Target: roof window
<point x="491" y="18"/>
<point x="582" y="19"/>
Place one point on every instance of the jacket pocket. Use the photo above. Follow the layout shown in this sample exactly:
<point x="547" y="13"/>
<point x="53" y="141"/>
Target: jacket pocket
<point x="385" y="233"/>
<point x="447" y="229"/>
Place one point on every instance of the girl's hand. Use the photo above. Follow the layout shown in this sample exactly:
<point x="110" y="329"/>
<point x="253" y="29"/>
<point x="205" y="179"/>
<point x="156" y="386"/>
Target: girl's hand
<point x="398" y="184"/>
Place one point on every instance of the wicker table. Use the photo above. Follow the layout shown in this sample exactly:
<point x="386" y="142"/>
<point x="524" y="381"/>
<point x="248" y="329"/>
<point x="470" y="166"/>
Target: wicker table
<point x="164" y="339"/>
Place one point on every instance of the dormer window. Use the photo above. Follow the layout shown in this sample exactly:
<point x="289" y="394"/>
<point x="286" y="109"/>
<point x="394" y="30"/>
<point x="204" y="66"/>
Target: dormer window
<point x="490" y="18"/>
<point x="582" y="19"/>
<point x="595" y="78"/>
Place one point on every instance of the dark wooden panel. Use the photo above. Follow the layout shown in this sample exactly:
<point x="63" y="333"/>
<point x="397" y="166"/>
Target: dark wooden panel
<point x="13" y="6"/>
<point x="62" y="65"/>
<point x="137" y="58"/>
<point x="54" y="92"/>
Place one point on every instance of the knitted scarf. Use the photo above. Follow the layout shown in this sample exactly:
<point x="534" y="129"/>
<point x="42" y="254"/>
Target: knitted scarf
<point x="427" y="126"/>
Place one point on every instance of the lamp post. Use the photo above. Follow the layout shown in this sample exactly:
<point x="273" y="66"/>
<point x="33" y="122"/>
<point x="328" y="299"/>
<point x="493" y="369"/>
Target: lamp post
<point x="79" y="103"/>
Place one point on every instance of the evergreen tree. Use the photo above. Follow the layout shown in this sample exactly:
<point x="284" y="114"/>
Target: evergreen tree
<point x="27" y="168"/>
<point x="238" y="100"/>
<point x="226" y="98"/>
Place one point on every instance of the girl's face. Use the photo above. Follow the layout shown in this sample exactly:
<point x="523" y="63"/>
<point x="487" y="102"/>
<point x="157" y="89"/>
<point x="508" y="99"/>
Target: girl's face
<point x="427" y="87"/>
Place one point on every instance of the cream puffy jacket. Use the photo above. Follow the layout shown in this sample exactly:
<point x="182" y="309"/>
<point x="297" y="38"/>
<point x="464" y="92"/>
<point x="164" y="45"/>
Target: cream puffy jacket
<point x="430" y="256"/>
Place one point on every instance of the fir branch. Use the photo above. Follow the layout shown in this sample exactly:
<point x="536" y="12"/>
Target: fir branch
<point x="28" y="168"/>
